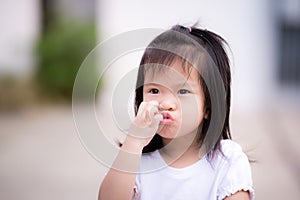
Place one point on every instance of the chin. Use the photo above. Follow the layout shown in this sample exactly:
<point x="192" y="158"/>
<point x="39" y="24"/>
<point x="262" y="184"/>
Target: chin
<point x="168" y="134"/>
<point x="165" y="133"/>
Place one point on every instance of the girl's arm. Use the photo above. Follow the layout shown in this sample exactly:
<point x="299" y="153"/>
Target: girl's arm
<point x="241" y="195"/>
<point x="119" y="182"/>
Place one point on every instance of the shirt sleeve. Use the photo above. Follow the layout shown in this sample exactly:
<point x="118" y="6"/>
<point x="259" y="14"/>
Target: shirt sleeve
<point x="136" y="188"/>
<point x="237" y="174"/>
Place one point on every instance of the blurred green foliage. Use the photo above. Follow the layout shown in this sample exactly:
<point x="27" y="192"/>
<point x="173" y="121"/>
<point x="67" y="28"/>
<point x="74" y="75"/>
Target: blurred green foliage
<point x="16" y="93"/>
<point x="61" y="50"/>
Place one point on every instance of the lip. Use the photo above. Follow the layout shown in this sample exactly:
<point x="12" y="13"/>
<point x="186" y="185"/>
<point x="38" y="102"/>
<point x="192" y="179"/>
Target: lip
<point x="167" y="118"/>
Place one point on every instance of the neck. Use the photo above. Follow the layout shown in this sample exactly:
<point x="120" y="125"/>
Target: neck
<point x="181" y="151"/>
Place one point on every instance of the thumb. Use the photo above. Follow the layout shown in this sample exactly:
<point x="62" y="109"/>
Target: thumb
<point x="156" y="119"/>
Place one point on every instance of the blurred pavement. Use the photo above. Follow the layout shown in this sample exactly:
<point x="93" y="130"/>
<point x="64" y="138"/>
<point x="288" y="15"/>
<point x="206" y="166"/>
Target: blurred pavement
<point x="41" y="156"/>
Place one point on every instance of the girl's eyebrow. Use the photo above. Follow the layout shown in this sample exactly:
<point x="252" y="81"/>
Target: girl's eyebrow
<point x="177" y="85"/>
<point x="150" y="83"/>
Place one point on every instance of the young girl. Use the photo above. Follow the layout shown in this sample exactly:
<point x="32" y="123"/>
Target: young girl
<point x="179" y="145"/>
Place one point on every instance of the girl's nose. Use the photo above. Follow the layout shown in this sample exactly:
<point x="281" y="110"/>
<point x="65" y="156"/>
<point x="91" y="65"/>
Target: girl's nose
<point x="169" y="105"/>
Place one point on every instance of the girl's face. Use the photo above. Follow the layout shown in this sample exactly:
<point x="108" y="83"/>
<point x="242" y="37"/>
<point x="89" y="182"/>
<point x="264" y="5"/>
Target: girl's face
<point x="180" y="98"/>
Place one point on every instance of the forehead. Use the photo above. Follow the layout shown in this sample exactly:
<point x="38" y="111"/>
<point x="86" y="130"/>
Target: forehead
<point x="173" y="74"/>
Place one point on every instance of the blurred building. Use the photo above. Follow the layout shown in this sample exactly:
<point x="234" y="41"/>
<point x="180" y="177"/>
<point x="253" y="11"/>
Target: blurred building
<point x="22" y="22"/>
<point x="263" y="36"/>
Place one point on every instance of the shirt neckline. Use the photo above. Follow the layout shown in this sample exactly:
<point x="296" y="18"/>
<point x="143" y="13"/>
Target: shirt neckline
<point x="184" y="171"/>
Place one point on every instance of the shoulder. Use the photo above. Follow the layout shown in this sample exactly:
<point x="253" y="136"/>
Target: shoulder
<point x="233" y="154"/>
<point x="230" y="151"/>
<point x="228" y="154"/>
<point x="235" y="170"/>
<point x="230" y="147"/>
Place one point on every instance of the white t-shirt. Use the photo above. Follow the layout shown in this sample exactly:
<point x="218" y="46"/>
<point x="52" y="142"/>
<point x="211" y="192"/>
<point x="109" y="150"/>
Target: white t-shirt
<point x="203" y="180"/>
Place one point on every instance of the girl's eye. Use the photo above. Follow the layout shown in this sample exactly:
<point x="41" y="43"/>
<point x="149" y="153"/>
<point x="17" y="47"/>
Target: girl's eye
<point x="183" y="91"/>
<point x="154" y="91"/>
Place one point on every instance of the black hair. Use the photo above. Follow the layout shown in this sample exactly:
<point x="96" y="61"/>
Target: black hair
<point x="193" y="47"/>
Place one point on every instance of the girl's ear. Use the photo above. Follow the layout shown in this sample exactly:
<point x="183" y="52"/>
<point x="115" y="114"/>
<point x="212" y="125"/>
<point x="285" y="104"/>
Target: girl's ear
<point x="206" y="113"/>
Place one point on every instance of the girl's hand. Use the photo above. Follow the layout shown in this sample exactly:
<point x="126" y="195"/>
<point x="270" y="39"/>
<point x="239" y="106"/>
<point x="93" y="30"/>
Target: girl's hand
<point x="145" y="124"/>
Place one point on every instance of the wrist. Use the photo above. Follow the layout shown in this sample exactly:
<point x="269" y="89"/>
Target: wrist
<point x="132" y="145"/>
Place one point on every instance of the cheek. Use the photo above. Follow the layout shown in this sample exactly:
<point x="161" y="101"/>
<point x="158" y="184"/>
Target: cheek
<point x="192" y="111"/>
<point x="147" y="97"/>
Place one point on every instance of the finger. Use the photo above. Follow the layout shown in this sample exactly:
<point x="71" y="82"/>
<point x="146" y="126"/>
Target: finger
<point x="158" y="117"/>
<point x="153" y="110"/>
<point x="141" y="108"/>
<point x="146" y="112"/>
<point x="143" y="114"/>
<point x="156" y="120"/>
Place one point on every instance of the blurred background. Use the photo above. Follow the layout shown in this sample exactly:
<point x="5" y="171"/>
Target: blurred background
<point x="43" y="43"/>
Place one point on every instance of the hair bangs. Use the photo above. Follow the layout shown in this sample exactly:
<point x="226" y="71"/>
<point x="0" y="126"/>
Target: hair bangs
<point x="157" y="60"/>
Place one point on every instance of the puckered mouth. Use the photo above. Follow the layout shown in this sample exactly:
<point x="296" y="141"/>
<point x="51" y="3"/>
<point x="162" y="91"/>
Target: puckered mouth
<point x="167" y="118"/>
